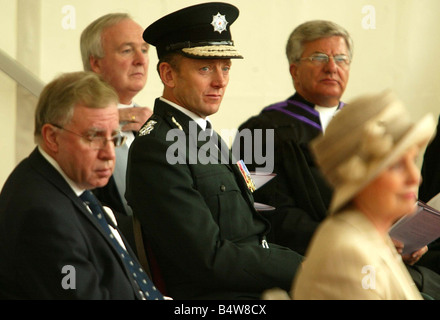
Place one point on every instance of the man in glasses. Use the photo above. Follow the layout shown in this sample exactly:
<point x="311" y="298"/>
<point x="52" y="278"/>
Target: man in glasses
<point x="56" y="240"/>
<point x="319" y="55"/>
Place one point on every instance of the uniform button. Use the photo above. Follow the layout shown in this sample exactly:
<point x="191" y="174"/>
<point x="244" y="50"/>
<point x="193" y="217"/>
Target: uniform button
<point x="222" y="188"/>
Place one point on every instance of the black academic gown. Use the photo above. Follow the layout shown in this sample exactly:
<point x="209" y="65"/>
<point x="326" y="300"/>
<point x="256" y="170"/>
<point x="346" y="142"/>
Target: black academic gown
<point x="299" y="192"/>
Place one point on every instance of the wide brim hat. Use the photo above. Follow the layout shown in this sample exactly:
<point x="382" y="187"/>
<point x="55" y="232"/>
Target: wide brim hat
<point x="201" y="31"/>
<point x="367" y="136"/>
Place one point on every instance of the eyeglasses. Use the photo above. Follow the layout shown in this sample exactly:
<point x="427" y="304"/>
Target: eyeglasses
<point x="96" y="141"/>
<point x="319" y="59"/>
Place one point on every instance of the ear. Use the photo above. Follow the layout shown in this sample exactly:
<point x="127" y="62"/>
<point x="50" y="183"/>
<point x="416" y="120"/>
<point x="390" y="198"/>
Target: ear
<point x="293" y="71"/>
<point x="167" y="74"/>
<point x="49" y="135"/>
<point x="95" y="64"/>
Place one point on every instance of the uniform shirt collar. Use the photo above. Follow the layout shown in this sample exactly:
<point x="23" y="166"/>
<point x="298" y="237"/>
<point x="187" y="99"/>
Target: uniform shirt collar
<point x="199" y="120"/>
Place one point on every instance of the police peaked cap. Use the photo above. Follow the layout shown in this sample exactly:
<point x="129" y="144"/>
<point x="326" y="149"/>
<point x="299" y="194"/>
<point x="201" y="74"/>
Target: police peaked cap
<point x="201" y="31"/>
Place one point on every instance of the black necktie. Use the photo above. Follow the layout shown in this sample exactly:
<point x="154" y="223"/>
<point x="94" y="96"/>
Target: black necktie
<point x="219" y="142"/>
<point x="140" y="278"/>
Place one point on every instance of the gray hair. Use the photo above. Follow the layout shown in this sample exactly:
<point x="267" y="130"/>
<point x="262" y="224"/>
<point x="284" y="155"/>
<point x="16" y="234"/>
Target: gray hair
<point x="90" y="42"/>
<point x="313" y="30"/>
<point x="61" y="95"/>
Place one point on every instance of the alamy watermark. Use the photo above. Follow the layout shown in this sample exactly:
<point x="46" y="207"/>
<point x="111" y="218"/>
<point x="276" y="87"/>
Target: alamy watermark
<point x="205" y="147"/>
<point x="369" y="280"/>
<point x="369" y="18"/>
<point x="69" y="280"/>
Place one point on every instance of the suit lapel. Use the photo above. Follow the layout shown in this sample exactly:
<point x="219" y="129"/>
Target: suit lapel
<point x="41" y="165"/>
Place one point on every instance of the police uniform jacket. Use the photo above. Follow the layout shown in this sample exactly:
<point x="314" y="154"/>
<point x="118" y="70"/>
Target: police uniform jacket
<point x="198" y="216"/>
<point x="299" y="192"/>
<point x="51" y="247"/>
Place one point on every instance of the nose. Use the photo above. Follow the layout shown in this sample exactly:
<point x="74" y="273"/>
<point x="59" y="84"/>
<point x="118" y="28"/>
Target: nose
<point x="331" y="65"/>
<point x="140" y="57"/>
<point x="413" y="173"/>
<point x="107" y="152"/>
<point x="220" y="78"/>
<point x="413" y="176"/>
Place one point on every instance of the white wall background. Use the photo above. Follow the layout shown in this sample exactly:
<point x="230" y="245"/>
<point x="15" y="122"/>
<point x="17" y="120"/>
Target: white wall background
<point x="397" y="45"/>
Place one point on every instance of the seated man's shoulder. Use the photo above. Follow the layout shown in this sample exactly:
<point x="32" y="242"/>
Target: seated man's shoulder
<point x="153" y="127"/>
<point x="270" y="118"/>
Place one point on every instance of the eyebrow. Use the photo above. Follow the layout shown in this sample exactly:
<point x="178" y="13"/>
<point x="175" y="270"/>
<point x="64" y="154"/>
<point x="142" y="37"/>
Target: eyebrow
<point x="338" y="54"/>
<point x="100" y="132"/>
<point x="133" y="44"/>
<point x="94" y="130"/>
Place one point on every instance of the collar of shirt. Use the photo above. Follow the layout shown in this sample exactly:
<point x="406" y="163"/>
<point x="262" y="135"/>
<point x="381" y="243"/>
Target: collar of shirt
<point x="199" y="120"/>
<point x="326" y="114"/>
<point x="57" y="167"/>
<point x="131" y="105"/>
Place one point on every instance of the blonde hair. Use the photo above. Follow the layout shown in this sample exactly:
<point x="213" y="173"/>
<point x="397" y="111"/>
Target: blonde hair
<point x="61" y="95"/>
<point x="90" y="42"/>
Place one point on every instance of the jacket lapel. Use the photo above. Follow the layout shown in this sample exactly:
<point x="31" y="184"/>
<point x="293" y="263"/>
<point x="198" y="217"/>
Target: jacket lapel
<point x="51" y="174"/>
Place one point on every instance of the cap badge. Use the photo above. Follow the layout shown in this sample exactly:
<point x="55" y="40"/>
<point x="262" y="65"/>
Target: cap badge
<point x="219" y="23"/>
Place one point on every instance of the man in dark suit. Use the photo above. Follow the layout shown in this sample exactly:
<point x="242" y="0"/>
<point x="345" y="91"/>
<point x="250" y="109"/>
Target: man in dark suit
<point x="54" y="245"/>
<point x="195" y="208"/>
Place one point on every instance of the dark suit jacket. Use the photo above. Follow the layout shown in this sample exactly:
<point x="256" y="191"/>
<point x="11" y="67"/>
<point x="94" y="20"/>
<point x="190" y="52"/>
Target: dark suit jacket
<point x="44" y="229"/>
<point x="199" y="218"/>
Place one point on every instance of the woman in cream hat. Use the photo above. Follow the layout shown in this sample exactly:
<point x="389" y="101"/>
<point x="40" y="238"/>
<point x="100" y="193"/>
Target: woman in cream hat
<point x="368" y="155"/>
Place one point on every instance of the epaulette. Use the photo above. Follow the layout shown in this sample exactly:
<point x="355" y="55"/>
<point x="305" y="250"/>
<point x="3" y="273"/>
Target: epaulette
<point x="148" y="126"/>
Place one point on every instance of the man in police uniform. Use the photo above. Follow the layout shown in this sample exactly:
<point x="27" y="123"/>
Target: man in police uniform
<point x="195" y="208"/>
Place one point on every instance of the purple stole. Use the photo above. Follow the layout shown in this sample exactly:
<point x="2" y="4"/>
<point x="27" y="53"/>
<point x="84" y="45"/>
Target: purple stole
<point x="302" y="108"/>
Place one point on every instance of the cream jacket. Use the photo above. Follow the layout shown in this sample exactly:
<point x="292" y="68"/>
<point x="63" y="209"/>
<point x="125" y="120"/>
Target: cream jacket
<point x="349" y="259"/>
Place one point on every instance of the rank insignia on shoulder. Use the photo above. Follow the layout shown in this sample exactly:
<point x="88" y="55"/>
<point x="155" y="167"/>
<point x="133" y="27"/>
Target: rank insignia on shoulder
<point x="147" y="128"/>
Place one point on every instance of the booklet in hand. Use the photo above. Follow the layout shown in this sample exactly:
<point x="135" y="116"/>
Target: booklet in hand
<point x="420" y="228"/>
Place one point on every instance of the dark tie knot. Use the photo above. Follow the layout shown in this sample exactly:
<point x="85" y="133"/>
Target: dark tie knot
<point x="88" y="197"/>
